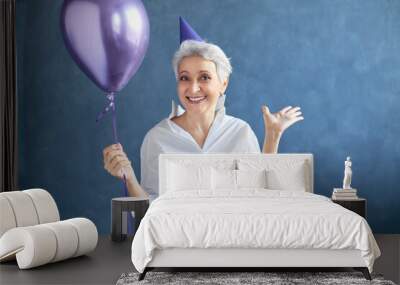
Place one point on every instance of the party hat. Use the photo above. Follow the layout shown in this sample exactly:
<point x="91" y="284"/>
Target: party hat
<point x="187" y="32"/>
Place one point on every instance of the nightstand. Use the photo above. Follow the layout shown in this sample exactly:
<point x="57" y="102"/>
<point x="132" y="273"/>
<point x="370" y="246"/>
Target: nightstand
<point x="121" y="209"/>
<point x="358" y="206"/>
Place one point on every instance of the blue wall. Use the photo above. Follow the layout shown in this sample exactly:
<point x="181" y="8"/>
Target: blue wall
<point x="338" y="60"/>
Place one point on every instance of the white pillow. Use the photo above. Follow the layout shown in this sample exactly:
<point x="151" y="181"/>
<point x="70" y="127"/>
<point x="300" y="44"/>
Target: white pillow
<point x="280" y="174"/>
<point x="188" y="177"/>
<point x="224" y="179"/>
<point x="292" y="179"/>
<point x="229" y="179"/>
<point x="251" y="178"/>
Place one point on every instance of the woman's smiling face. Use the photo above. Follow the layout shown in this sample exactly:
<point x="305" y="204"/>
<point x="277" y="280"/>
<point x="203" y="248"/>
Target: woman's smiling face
<point x="199" y="85"/>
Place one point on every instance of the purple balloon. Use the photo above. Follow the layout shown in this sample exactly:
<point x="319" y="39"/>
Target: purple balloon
<point x="107" y="38"/>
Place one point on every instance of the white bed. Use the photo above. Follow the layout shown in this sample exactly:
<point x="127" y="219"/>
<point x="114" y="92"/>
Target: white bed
<point x="247" y="210"/>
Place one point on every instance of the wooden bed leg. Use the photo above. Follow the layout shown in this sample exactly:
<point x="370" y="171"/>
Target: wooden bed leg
<point x="143" y="274"/>
<point x="364" y="271"/>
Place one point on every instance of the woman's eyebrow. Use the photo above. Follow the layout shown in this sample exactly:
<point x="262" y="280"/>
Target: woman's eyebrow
<point x="200" y="71"/>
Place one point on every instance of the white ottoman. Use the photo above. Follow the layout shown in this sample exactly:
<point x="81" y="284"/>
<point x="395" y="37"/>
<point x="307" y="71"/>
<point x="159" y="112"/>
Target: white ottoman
<point x="31" y="232"/>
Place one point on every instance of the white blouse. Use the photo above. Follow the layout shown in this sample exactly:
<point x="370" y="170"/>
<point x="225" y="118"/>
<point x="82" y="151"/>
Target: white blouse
<point x="226" y="135"/>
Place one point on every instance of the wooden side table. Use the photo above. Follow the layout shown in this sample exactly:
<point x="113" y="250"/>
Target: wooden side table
<point x="358" y="206"/>
<point x="120" y="209"/>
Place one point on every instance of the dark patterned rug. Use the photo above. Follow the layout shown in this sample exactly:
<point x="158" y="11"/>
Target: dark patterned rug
<point x="228" y="278"/>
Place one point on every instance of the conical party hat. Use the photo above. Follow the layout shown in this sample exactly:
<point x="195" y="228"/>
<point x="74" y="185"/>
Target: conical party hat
<point x="187" y="32"/>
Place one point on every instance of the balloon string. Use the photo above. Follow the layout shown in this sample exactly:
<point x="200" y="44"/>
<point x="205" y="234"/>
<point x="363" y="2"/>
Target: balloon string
<point x="108" y="108"/>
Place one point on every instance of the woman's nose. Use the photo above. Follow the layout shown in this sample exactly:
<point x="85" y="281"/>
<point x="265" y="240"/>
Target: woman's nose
<point x="194" y="87"/>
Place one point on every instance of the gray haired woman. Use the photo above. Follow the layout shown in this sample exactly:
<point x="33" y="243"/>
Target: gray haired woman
<point x="202" y="72"/>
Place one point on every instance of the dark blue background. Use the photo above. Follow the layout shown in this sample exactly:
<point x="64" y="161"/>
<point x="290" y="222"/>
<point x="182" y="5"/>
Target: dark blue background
<point x="338" y="60"/>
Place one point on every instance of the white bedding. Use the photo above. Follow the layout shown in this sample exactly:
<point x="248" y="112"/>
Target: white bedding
<point x="251" y="218"/>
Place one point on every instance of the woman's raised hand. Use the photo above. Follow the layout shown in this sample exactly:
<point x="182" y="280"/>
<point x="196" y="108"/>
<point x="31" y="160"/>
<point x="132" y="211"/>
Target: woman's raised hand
<point x="116" y="162"/>
<point x="278" y="122"/>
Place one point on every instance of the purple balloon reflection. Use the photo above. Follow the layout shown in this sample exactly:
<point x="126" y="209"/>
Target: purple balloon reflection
<point x="107" y="39"/>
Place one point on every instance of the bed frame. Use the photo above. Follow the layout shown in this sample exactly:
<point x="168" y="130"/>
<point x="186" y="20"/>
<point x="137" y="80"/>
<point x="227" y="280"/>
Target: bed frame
<point x="245" y="259"/>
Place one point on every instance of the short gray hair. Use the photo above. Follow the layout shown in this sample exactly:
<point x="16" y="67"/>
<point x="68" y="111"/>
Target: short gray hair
<point x="207" y="51"/>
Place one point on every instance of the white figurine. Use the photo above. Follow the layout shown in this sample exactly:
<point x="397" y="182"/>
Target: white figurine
<point x="347" y="173"/>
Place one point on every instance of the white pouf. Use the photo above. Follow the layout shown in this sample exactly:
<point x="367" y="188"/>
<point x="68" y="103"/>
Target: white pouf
<point x="31" y="232"/>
